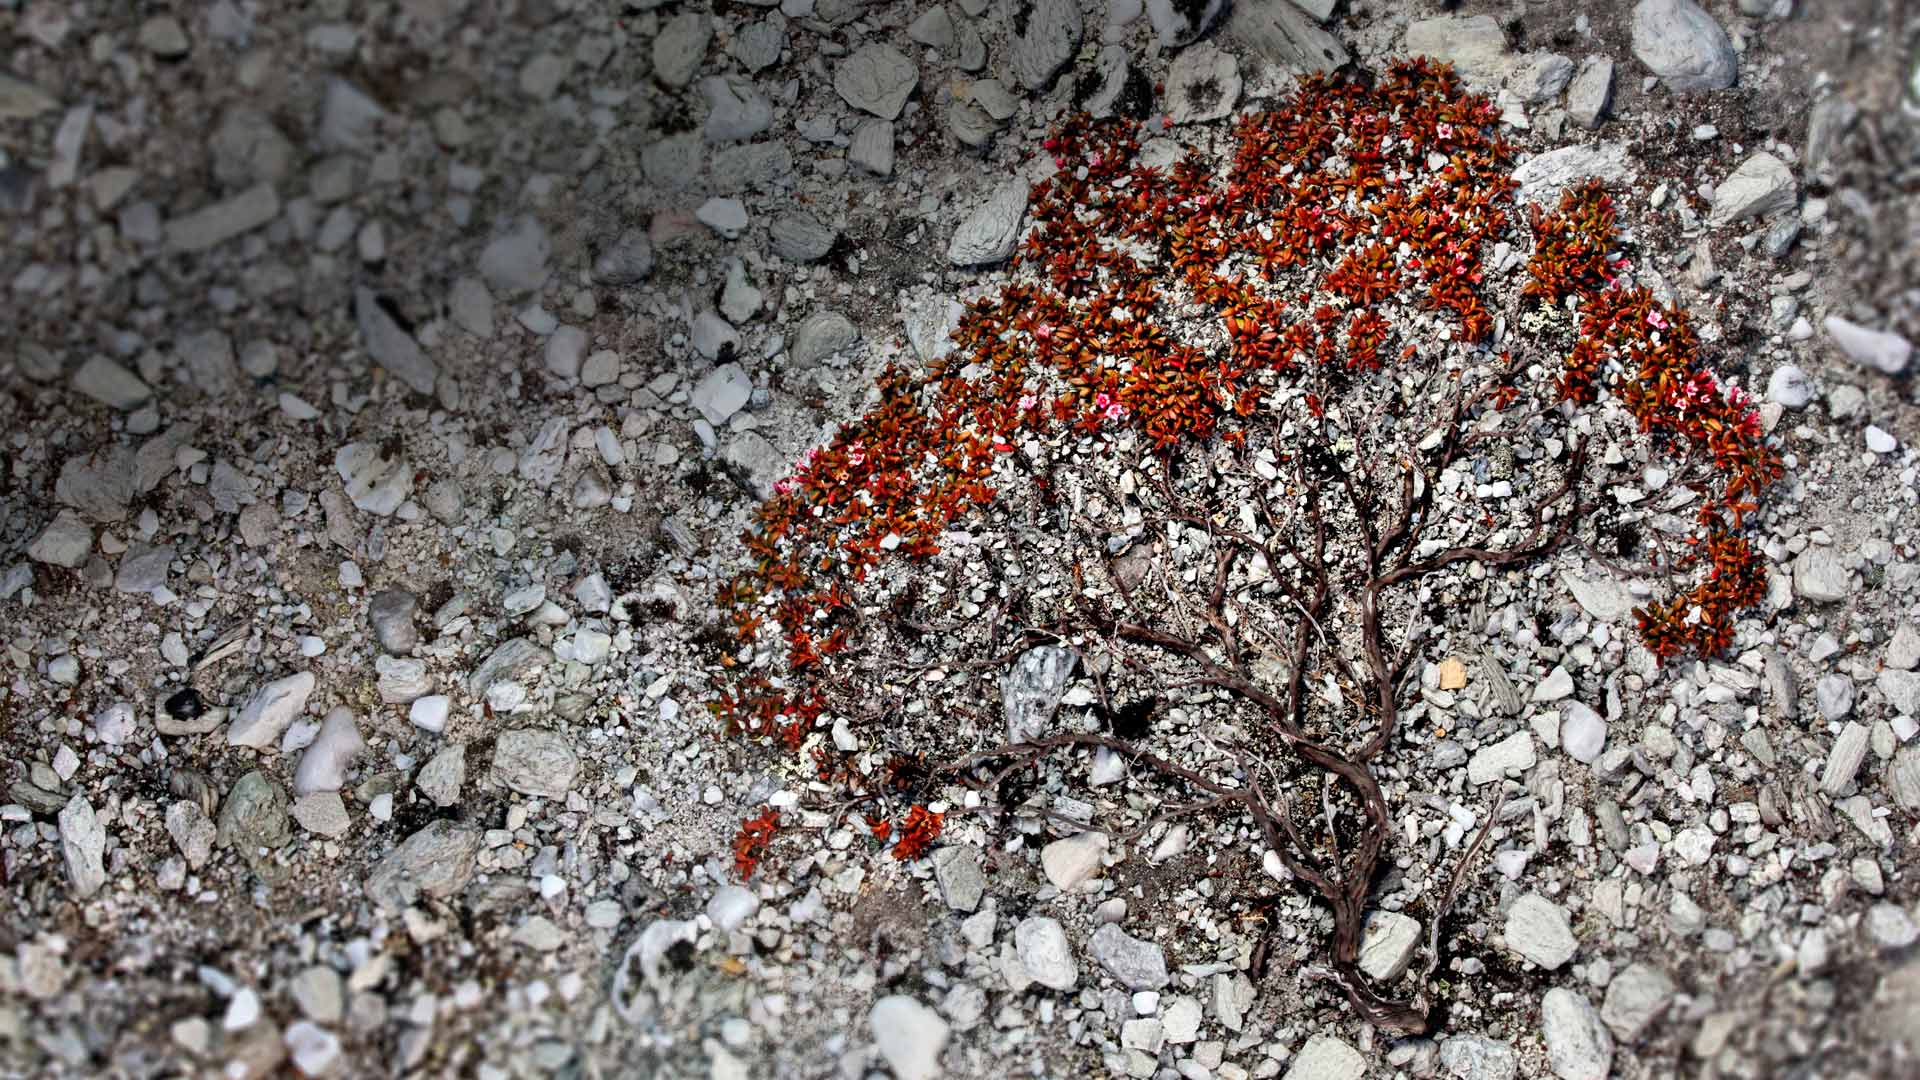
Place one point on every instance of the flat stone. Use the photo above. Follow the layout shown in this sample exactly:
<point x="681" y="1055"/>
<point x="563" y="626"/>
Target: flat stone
<point x="1326" y="1058"/>
<point x="1511" y="754"/>
<point x="1875" y="350"/>
<point x="511" y="661"/>
<point x="1591" y="91"/>
<point x="516" y="260"/>
<point x="323" y="813"/>
<point x="713" y="336"/>
<point x="143" y="569"/>
<point x="1538" y="930"/>
<point x="735" y="109"/>
<point x="1474" y="44"/>
<point x="1537" y="78"/>
<point x="726" y="216"/>
<point x="391" y="346"/>
<point x="253" y="816"/>
<point x="870" y="147"/>
<point x="1579" y="1046"/>
<point x="820" y="335"/>
<point x="680" y="47"/>
<point x="1178" y="23"/>
<point x="1041" y="944"/>
<point x="762" y="165"/>
<point x="876" y="78"/>
<point x="988" y="235"/>
<point x="1635" y="998"/>
<point x="435" y="862"/>
<point x="349" y="119"/>
<point x="1583" y="732"/>
<point x="1137" y="964"/>
<point x="1283" y="34"/>
<point x="537" y="762"/>
<point x="83" y="847"/>
<point x="1203" y="83"/>
<point x="798" y="236"/>
<point x="66" y="541"/>
<point x="1761" y="186"/>
<point x="1819" y="576"/>
<point x="22" y="100"/>
<point x="758" y="45"/>
<point x="216" y="223"/>
<point x="106" y="382"/>
<point x="1469" y="1057"/>
<point x="1543" y="177"/>
<point x="1387" y="944"/>
<point x="1683" y="45"/>
<point x="1045" y="35"/>
<point x="192" y="831"/>
<point x="247" y="148"/>
<point x="754" y="464"/>
<point x="957" y="868"/>
<point x="1844" y="758"/>
<point x="1071" y="862"/>
<point x="626" y="261"/>
<point x="1833" y="695"/>
<point x="444" y="774"/>
<point x="731" y="906"/>
<point x="724" y="392"/>
<point x="323" y="765"/>
<point x="1030" y="692"/>
<point x="909" y="1035"/>
<point x="265" y="714"/>
<point x="375" y="483"/>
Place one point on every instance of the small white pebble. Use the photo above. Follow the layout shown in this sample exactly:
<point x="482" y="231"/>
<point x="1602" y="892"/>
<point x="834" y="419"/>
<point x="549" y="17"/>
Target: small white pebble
<point x="382" y="806"/>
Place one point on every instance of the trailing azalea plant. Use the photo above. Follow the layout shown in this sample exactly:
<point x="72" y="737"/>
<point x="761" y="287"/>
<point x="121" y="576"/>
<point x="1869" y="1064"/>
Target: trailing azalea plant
<point x="1264" y="403"/>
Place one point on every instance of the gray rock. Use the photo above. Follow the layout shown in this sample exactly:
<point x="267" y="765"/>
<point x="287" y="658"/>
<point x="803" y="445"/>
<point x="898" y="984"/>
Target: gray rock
<point x="254" y="816"/>
<point x="1683" y="45"/>
<point x="1578" y="1044"/>
<point x="66" y="541"/>
<point x="1903" y="778"/>
<point x="1604" y="598"/>
<point x="265" y="714"/>
<point x="1138" y="964"/>
<point x="390" y="612"/>
<point x="216" y="223"/>
<point x="512" y="660"/>
<point x="1071" y="862"/>
<point x="83" y="847"/>
<point x="192" y="831"/>
<point x="1041" y="944"/>
<point x="819" y="336"/>
<point x="626" y="261"/>
<point x="106" y="382"/>
<point x="1827" y="124"/>
<point x="535" y="762"/>
<point x="728" y="217"/>
<point x="1511" y="754"/>
<point x="1635" y="998"/>
<point x="323" y="766"/>
<point x="1819" y="576"/>
<point x="349" y="119"/>
<point x="674" y="163"/>
<point x="754" y="464"/>
<point x="1031" y="691"/>
<point x="1789" y="387"/>
<point x="375" y="483"/>
<point x="1877" y="350"/>
<point x="1387" y="944"/>
<point x="1833" y="695"/>
<point x="736" y="110"/>
<point x="1474" y="44"/>
<point x="680" y="47"/>
<point x="444" y="774"/>
<point x="731" y="906"/>
<point x="970" y="125"/>
<point x="957" y="868"/>
<point x="208" y="358"/>
<point x="1469" y="1057"/>
<point x="1849" y="750"/>
<point x="989" y="234"/>
<point x="1326" y="1058"/>
<point x="1583" y="732"/>
<point x="471" y="306"/>
<point x="1762" y="185"/>
<point x="870" y="147"/>
<point x="1179" y="23"/>
<point x="1544" y="176"/>
<point x="763" y="166"/>
<point x="930" y="325"/>
<point x="713" y="337"/>
<point x="1046" y="34"/>
<point x="1903" y="652"/>
<point x="739" y="299"/>
<point x="1203" y="83"/>
<point x="435" y="862"/>
<point x="322" y="813"/>
<point x="516" y="260"/>
<point x="1538" y="930"/>
<point x="143" y="569"/>
<point x="247" y="148"/>
<point x="933" y="28"/>
<point x="100" y="485"/>
<point x="1539" y="77"/>
<point x="878" y="79"/>
<point x="1283" y="34"/>
<point x="22" y="100"/>
<point x="798" y="236"/>
<point x="758" y="45"/>
<point x="1890" y="927"/>
<point x="724" y="391"/>
<point x="909" y="1035"/>
<point x="1591" y="91"/>
<point x="392" y="347"/>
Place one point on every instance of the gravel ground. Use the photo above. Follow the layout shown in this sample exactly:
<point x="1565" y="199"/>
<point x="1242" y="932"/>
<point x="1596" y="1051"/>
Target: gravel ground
<point x="388" y="389"/>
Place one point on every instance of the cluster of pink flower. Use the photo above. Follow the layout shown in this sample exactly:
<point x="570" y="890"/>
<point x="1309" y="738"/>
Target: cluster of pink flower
<point x="1104" y="404"/>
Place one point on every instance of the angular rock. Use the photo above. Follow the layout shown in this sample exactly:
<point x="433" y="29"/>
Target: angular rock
<point x="1819" y="576"/>
<point x="511" y="661"/>
<point x="215" y="224"/>
<point x="323" y="767"/>
<point x="435" y="862"/>
<point x="391" y="346"/>
<point x="989" y="234"/>
<point x="1041" y="944"/>
<point x="798" y="236"/>
<point x="192" y="832"/>
<point x="1071" y="862"/>
<point x="83" y="847"/>
<point x="1203" y="84"/>
<point x="1475" y="46"/>
<point x="870" y="147"/>
<point x="1579" y="1046"/>
<point x="1539" y="77"/>
<point x="444" y="774"/>
<point x="957" y="868"/>
<point x="1031" y="691"/>
<point x="1326" y="1058"/>
<point x="1538" y="930"/>
<point x="1283" y="34"/>
<point x="1844" y="758"/>
<point x="1387" y="944"/>
<point x="680" y="47"/>
<point x="909" y="1035"/>
<point x="375" y="483"/>
<point x="254" y="816"/>
<point x="1138" y="964"/>
<point x="878" y="79"/>
<point x="1468" y="1057"/>
<point x="1591" y="91"/>
<point x="322" y="813"/>
<point x="1511" y="754"/>
<point x="111" y="385"/>
<point x="735" y="110"/>
<point x="535" y="762"/>
<point x="1761" y="186"/>
<point x="724" y="392"/>
<point x="626" y="261"/>
<point x="1046" y="34"/>
<point x="754" y="464"/>
<point x="1544" y="176"/>
<point x="66" y="541"/>
<point x="390" y="613"/>
<point x="1583" y="732"/>
<point x="265" y="714"/>
<point x="1635" y="998"/>
<point x="516" y="260"/>
<point x="1684" y="45"/>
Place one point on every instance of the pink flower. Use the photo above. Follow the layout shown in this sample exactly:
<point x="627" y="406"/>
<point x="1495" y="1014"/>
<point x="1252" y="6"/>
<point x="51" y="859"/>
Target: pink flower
<point x="1043" y="331"/>
<point x="856" y="454"/>
<point x="1656" y="320"/>
<point x="1098" y="159"/>
<point x="1116" y="411"/>
<point x="1102" y="400"/>
<point x="1445" y="131"/>
<point x="1027" y="402"/>
<point x="785" y="485"/>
